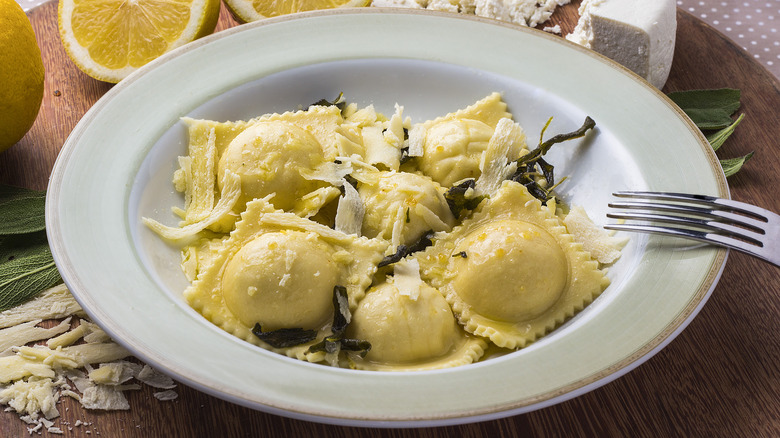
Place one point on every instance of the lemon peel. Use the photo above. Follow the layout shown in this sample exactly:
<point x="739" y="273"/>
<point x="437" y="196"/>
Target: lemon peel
<point x="252" y="10"/>
<point x="109" y="39"/>
<point x="21" y="74"/>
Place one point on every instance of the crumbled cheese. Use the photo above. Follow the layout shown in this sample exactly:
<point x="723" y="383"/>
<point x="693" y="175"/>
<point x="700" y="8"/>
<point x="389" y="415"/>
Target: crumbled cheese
<point x="32" y="396"/>
<point x="523" y="12"/>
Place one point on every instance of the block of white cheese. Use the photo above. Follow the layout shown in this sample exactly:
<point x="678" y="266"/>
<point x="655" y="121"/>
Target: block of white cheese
<point x="639" y="34"/>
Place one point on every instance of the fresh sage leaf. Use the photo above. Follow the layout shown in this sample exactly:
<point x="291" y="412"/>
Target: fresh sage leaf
<point x="733" y="165"/>
<point x="25" y="274"/>
<point x="717" y="139"/>
<point x="708" y="109"/>
<point x="21" y="210"/>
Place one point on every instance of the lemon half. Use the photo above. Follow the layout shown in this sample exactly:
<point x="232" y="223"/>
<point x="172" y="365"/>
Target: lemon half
<point x="253" y="10"/>
<point x="109" y="39"/>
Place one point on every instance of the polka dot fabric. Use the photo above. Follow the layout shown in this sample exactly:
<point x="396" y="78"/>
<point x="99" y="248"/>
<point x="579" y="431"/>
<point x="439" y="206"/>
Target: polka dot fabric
<point x="752" y="24"/>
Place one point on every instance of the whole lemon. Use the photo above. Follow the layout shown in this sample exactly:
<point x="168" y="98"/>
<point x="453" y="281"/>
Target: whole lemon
<point x="21" y="74"/>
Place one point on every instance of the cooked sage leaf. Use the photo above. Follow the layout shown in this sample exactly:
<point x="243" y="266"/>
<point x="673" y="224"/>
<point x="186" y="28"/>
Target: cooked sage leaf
<point x="708" y="109"/>
<point x="21" y="210"/>
<point x="536" y="174"/>
<point x="717" y="139"/>
<point x="25" y="273"/>
<point x="284" y="337"/>
<point x="339" y="102"/>
<point x="403" y="250"/>
<point x="336" y="341"/>
<point x="458" y="201"/>
<point x="733" y="165"/>
<point x="341" y="313"/>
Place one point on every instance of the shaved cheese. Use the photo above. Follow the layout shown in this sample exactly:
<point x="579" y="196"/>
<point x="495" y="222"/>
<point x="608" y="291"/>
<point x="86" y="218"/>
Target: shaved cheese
<point x="231" y="191"/>
<point x="430" y="218"/>
<point x="364" y="116"/>
<point x="601" y="246"/>
<point x="53" y="303"/>
<point x="155" y="379"/>
<point x="378" y="150"/>
<point x="203" y="153"/>
<point x="398" y="228"/>
<point x="330" y="172"/>
<point x="498" y="161"/>
<point x="312" y="203"/>
<point x="349" y="216"/>
<point x="416" y="140"/>
<point x="394" y="134"/>
<point x="85" y="354"/>
<point x="68" y="338"/>
<point x="96" y="334"/>
<point x="407" y="279"/>
<point x="114" y="373"/>
<point x="104" y="397"/>
<point x="28" y="332"/>
<point x="182" y="178"/>
<point x="166" y="395"/>
<point x="287" y="220"/>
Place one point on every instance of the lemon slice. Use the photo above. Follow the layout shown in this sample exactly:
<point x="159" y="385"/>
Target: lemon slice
<point x="109" y="39"/>
<point x="253" y="10"/>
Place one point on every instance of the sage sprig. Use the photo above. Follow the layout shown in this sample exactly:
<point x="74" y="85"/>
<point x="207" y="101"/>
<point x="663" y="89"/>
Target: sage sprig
<point x="712" y="110"/>
<point x="26" y="263"/>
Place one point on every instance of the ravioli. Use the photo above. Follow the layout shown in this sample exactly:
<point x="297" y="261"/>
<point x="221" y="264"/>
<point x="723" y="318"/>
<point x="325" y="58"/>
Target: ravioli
<point x="402" y="206"/>
<point x="279" y="270"/>
<point x="287" y="218"/>
<point x="511" y="272"/>
<point x="410" y="332"/>
<point x="453" y="145"/>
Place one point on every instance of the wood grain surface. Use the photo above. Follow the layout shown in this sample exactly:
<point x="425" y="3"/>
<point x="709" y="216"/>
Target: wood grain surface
<point x="718" y="378"/>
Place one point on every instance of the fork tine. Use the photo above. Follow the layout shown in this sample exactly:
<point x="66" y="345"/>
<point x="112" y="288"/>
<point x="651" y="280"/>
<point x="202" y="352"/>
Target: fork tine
<point x="710" y="201"/>
<point x="705" y="226"/>
<point x="700" y="236"/>
<point x="718" y="221"/>
<point x="719" y="215"/>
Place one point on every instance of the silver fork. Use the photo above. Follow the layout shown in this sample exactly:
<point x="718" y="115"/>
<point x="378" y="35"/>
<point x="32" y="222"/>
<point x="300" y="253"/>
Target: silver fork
<point x="723" y="222"/>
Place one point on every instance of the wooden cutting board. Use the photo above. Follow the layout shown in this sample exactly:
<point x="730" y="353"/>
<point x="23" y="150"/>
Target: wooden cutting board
<point x="718" y="378"/>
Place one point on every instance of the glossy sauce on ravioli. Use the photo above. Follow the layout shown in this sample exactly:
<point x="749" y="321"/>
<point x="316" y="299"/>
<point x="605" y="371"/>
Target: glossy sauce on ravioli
<point x="269" y="157"/>
<point x="281" y="280"/>
<point x="509" y="270"/>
